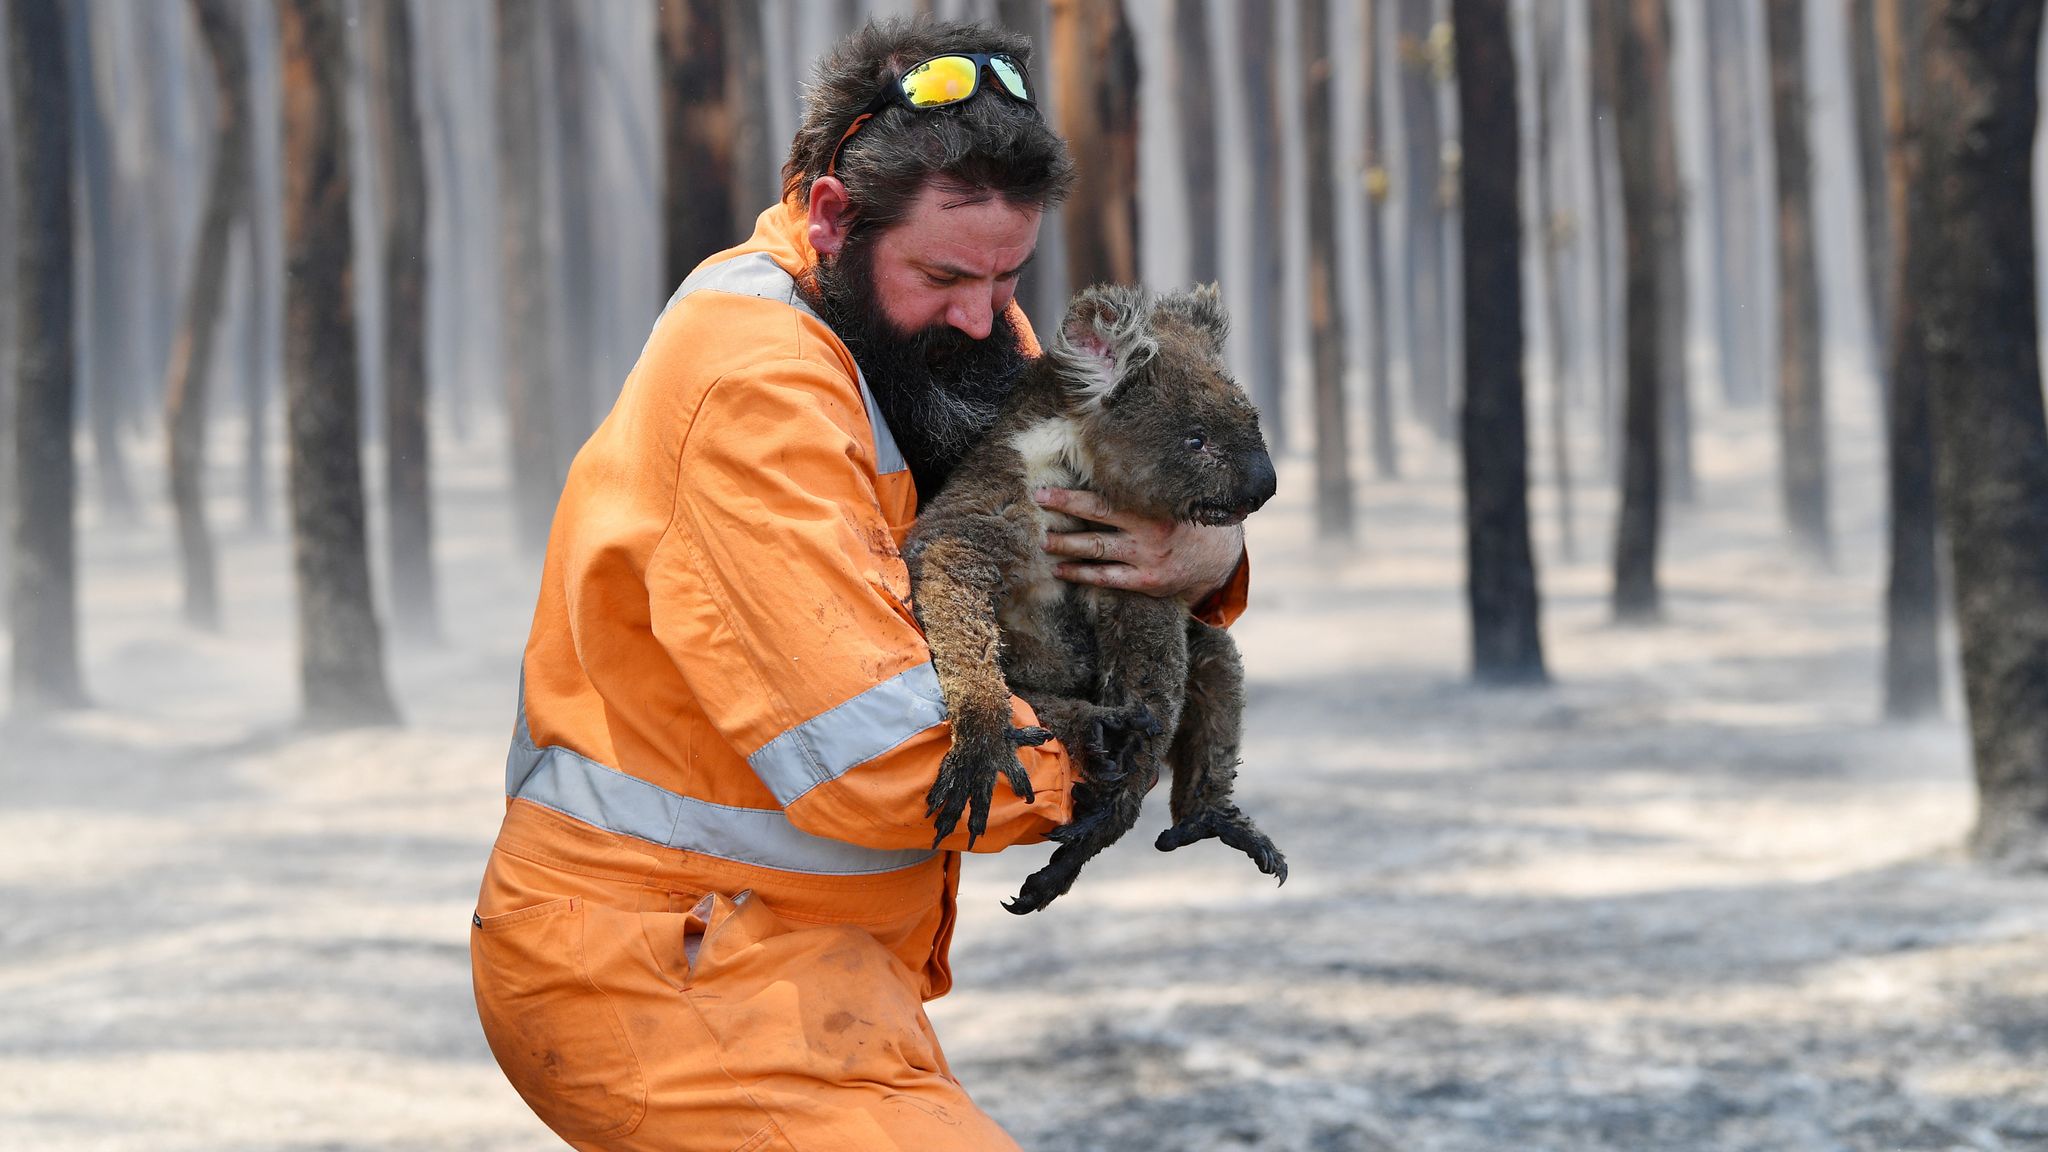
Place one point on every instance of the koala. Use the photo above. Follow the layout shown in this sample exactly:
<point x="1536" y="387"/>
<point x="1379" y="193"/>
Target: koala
<point x="1131" y="400"/>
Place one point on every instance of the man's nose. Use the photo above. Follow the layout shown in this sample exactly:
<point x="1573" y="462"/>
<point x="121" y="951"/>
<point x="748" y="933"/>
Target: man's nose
<point x="973" y="314"/>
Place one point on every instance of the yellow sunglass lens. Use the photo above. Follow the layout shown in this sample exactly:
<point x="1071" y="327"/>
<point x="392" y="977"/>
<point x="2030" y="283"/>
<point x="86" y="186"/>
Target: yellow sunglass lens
<point x="945" y="80"/>
<point x="1012" y="76"/>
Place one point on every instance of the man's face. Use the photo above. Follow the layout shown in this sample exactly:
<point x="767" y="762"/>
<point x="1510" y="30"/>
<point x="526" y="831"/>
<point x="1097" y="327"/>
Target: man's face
<point x="952" y="263"/>
<point x="920" y="306"/>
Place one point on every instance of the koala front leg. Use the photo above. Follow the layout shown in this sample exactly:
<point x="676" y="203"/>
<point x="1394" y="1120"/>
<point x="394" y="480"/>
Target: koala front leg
<point x="954" y="586"/>
<point x="1205" y="754"/>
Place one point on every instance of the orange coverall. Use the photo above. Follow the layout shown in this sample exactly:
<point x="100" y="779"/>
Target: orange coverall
<point x="713" y="912"/>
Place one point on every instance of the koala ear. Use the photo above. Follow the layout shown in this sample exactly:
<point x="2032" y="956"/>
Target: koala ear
<point x="1103" y="340"/>
<point x="1203" y="308"/>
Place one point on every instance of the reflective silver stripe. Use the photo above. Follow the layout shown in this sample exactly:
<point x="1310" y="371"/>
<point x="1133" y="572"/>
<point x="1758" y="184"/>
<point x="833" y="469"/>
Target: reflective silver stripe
<point x="825" y="746"/>
<point x="757" y="274"/>
<point x="585" y="790"/>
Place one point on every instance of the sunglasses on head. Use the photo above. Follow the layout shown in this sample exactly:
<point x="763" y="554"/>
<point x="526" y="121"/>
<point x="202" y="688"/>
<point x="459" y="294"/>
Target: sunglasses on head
<point x="938" y="82"/>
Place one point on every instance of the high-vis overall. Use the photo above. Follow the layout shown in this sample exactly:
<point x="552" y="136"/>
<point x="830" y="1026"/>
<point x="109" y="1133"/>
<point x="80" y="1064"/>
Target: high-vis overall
<point x="714" y="911"/>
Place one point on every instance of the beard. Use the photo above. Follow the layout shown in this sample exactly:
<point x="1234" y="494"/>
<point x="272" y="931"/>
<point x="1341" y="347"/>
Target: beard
<point x="939" y="389"/>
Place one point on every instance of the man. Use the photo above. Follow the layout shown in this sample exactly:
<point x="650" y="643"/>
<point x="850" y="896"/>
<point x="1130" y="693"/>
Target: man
<point x="715" y="909"/>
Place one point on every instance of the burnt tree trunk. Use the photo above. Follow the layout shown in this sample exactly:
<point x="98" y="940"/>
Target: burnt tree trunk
<point x="266" y="324"/>
<point x="1802" y="412"/>
<point x="536" y="472"/>
<point x="43" y="606"/>
<point x="1550" y="238"/>
<point x="1500" y="574"/>
<point x="10" y="319"/>
<point x="1991" y="439"/>
<point x="1258" y="59"/>
<point x="402" y="200"/>
<point x="1098" y="110"/>
<point x="1194" y="87"/>
<point x="754" y="163"/>
<point x="192" y="356"/>
<point x="1671" y="296"/>
<point x="1912" y="656"/>
<point x="1865" y="72"/>
<point x="696" y="127"/>
<point x="110" y="362"/>
<point x="341" y="664"/>
<point x="1733" y="199"/>
<point x="576" y="281"/>
<point x="1334" y="518"/>
<point x="1429" y="386"/>
<point x="1386" y="449"/>
<point x="1610" y="226"/>
<point x="1645" y="116"/>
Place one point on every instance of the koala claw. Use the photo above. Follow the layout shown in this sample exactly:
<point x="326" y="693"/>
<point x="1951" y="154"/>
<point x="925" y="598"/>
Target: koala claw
<point x="1233" y="829"/>
<point x="967" y="780"/>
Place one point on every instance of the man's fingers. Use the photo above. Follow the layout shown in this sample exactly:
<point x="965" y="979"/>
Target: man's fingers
<point x="1106" y="576"/>
<point x="1075" y="502"/>
<point x="1088" y="545"/>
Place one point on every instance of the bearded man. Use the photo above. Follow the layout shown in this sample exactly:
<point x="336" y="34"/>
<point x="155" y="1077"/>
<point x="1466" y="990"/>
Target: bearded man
<point x="715" y="909"/>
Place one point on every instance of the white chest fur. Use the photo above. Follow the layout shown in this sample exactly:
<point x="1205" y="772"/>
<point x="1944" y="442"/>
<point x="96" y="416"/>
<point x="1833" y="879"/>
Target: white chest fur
<point x="1054" y="457"/>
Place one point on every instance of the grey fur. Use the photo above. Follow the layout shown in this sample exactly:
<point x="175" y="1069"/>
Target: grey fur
<point x="1133" y="402"/>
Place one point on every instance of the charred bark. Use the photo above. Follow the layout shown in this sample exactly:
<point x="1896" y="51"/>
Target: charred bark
<point x="1991" y="438"/>
<point x="1734" y="198"/>
<point x="1865" y="73"/>
<point x="1194" y="88"/>
<point x="110" y="359"/>
<point x="697" y="200"/>
<point x="1550" y="239"/>
<point x="1258" y="60"/>
<point x="43" y="608"/>
<point x="1912" y="658"/>
<point x="536" y="470"/>
<point x="1640" y="57"/>
<point x="1500" y="580"/>
<point x="341" y="650"/>
<point x="1802" y="410"/>
<point x="1386" y="449"/>
<point x="402" y="198"/>
<point x="754" y="163"/>
<point x="1334" y="517"/>
<point x="192" y="356"/>
<point x="1098" y="111"/>
<point x="1429" y="386"/>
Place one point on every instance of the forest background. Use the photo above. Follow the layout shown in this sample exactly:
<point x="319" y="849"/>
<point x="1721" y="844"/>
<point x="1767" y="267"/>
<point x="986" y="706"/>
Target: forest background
<point x="1648" y="650"/>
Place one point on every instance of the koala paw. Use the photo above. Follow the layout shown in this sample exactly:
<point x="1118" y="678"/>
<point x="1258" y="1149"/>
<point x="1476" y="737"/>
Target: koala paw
<point x="967" y="778"/>
<point x="1233" y="828"/>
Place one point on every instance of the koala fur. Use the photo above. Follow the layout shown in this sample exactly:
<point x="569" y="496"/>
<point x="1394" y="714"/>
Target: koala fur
<point x="1132" y="400"/>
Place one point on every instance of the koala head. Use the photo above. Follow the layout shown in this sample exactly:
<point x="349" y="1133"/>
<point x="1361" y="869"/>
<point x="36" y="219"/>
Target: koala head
<point x="1170" y="432"/>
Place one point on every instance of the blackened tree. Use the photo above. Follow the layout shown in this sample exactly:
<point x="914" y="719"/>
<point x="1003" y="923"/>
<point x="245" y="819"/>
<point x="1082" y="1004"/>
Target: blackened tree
<point x="341" y="663"/>
<point x="1500" y="573"/>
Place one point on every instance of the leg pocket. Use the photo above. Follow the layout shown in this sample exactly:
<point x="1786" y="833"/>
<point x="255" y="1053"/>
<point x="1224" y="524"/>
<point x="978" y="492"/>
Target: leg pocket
<point x="553" y="1031"/>
<point x="795" y="1003"/>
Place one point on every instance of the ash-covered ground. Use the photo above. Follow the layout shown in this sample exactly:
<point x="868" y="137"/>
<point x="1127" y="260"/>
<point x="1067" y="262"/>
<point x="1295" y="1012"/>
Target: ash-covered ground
<point x="1692" y="896"/>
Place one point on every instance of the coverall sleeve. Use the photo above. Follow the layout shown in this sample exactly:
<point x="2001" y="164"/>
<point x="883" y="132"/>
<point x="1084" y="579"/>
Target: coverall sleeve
<point x="779" y="594"/>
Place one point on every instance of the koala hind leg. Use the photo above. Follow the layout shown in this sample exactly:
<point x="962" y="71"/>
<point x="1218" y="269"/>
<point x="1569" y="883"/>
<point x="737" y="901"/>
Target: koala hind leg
<point x="1144" y="670"/>
<point x="1205" y="754"/>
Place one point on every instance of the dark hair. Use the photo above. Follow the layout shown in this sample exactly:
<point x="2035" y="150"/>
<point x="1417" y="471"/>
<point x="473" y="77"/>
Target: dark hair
<point x="988" y="146"/>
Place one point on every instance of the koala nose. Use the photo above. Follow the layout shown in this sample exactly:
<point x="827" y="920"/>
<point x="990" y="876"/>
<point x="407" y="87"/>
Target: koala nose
<point x="1260" y="481"/>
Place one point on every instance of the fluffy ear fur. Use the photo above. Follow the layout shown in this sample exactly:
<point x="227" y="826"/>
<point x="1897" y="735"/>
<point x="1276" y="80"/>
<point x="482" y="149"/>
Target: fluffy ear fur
<point x="1203" y="308"/>
<point x="1104" y="339"/>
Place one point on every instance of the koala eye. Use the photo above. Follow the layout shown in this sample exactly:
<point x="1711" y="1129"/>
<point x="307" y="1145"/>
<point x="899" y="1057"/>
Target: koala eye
<point x="1196" y="440"/>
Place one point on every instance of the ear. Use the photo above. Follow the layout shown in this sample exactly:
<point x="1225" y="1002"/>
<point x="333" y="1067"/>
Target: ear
<point x="829" y="216"/>
<point x="1103" y="340"/>
<point x="1202" y="308"/>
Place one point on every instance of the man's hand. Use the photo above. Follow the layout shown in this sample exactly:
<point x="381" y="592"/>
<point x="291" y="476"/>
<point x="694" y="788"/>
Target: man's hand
<point x="1164" y="558"/>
